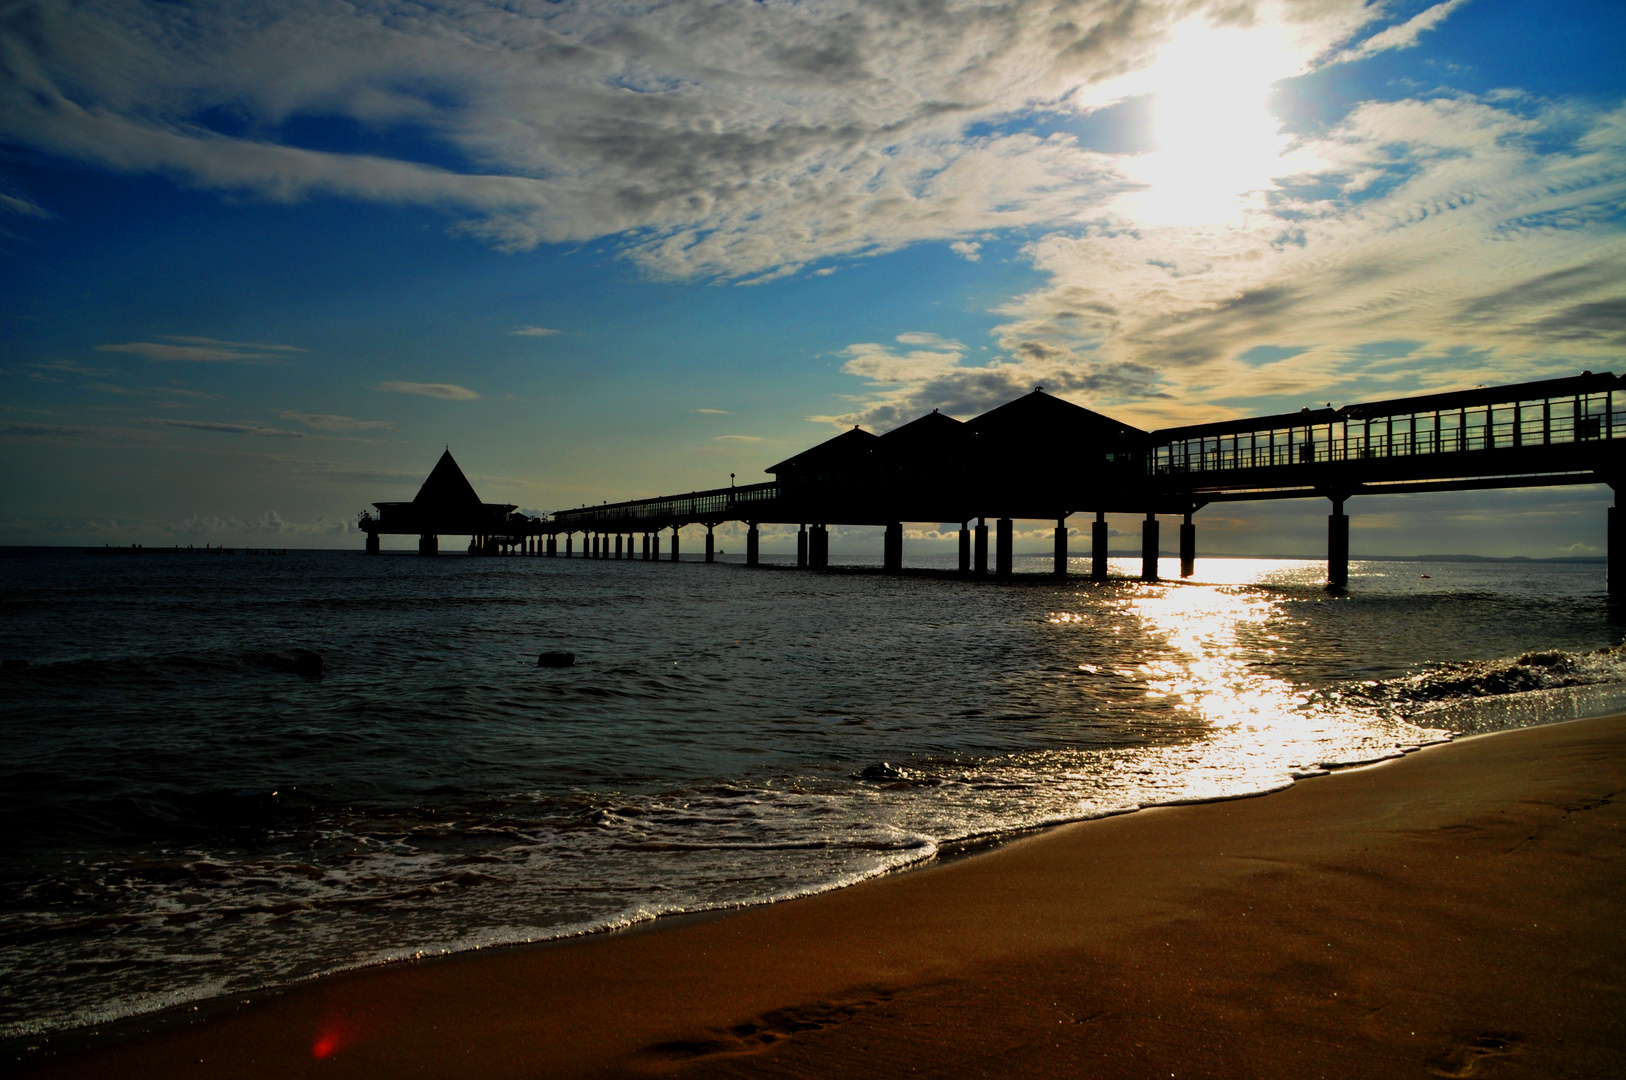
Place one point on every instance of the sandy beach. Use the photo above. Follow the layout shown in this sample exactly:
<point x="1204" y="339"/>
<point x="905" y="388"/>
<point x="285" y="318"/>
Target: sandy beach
<point x="1457" y="912"/>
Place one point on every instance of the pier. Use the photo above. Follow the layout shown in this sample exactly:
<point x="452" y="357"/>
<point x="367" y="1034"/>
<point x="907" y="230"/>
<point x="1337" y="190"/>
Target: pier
<point x="1042" y="458"/>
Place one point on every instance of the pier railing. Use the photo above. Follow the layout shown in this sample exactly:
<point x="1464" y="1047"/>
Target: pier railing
<point x="714" y="505"/>
<point x="1558" y="412"/>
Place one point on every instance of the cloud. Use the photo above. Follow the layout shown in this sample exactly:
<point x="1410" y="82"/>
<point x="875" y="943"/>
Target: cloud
<point x="328" y="422"/>
<point x="905" y="384"/>
<point x="1488" y="235"/>
<point x="71" y="368"/>
<point x="713" y="412"/>
<point x="1403" y="35"/>
<point x="270" y="524"/>
<point x="969" y="250"/>
<point x="444" y="391"/>
<point x="734" y="141"/>
<point x="533" y="331"/>
<point x="737" y="438"/>
<point x="224" y="427"/>
<point x="199" y="350"/>
<point x="22" y="207"/>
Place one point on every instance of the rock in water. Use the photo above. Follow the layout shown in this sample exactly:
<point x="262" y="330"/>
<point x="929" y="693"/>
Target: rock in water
<point x="884" y="771"/>
<point x="556" y="659"/>
<point x="309" y="664"/>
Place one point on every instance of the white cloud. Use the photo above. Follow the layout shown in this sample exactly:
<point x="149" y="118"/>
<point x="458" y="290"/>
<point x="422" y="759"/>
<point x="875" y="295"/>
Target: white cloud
<point x="1450" y="224"/>
<point x="969" y="250"/>
<point x="533" y="331"/>
<point x="713" y="412"/>
<point x="731" y="140"/>
<point x="1403" y="35"/>
<point x="444" y="391"/>
<point x="737" y="438"/>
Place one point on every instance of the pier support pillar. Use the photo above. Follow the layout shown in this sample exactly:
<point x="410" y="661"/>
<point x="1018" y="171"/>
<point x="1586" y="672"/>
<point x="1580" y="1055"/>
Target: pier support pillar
<point x="1337" y="546"/>
<point x="710" y="557"/>
<point x="646" y="547"/>
<point x="1615" y="555"/>
<point x="618" y="545"/>
<point x="965" y="548"/>
<point x="553" y="546"/>
<point x="1098" y="547"/>
<point x="1188" y="547"/>
<point x="1148" y="548"/>
<point x="372" y="540"/>
<point x="818" y="548"/>
<point x="570" y="544"/>
<point x="980" y="567"/>
<point x="428" y="545"/>
<point x="1002" y="547"/>
<point x="1061" y="547"/>
<point x="892" y="554"/>
<point x="752" y="543"/>
<point x="801" y="547"/>
<point x="674" y="543"/>
<point x="655" y="546"/>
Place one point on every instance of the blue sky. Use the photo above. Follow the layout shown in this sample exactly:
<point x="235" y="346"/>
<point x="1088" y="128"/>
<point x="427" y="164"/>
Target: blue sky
<point x="261" y="262"/>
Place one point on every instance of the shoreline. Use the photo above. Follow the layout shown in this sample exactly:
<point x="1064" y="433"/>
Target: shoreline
<point x="151" y="1021"/>
<point x="649" y="1000"/>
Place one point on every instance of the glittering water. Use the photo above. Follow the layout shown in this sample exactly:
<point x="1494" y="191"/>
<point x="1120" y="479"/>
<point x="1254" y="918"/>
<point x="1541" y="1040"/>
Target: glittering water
<point x="187" y="816"/>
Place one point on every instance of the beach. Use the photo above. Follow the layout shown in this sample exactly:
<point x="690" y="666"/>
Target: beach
<point x="1455" y="912"/>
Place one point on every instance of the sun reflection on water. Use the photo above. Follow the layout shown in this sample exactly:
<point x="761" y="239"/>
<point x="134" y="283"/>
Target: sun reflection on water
<point x="1208" y="642"/>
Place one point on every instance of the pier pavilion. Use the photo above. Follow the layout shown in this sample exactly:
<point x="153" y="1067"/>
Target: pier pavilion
<point x="1040" y="457"/>
<point x="446" y="505"/>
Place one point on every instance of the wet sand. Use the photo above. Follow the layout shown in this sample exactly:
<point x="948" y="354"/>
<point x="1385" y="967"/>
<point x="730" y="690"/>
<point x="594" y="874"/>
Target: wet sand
<point x="1459" y="912"/>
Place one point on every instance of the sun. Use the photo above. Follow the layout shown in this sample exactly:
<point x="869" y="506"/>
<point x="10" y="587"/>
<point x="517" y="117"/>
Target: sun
<point x="1218" y="145"/>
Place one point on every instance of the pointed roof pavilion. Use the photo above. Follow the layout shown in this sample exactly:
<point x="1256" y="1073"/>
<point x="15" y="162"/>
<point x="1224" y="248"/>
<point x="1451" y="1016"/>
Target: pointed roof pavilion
<point x="447" y="490"/>
<point x="446" y="504"/>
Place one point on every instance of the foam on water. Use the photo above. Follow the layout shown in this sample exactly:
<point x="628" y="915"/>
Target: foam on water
<point x="194" y="819"/>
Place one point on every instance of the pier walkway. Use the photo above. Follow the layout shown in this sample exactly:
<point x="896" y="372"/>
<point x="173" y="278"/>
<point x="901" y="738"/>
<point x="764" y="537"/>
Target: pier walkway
<point x="1043" y="458"/>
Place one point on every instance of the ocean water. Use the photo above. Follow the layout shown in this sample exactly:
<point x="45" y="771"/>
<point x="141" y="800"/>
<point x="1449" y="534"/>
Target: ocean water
<point x="187" y="816"/>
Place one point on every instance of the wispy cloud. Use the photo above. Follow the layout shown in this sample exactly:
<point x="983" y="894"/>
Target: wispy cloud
<point x="199" y="350"/>
<point x="737" y="438"/>
<point x="269" y="524"/>
<point x="224" y="427"/>
<point x="713" y="412"/>
<point x="444" y="391"/>
<point x="329" y="422"/>
<point x="721" y="140"/>
<point x="533" y="331"/>
<point x="1402" y="35"/>
<point x="69" y="367"/>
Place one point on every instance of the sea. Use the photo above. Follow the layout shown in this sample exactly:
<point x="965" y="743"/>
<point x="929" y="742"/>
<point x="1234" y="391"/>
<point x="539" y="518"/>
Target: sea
<point x="188" y="815"/>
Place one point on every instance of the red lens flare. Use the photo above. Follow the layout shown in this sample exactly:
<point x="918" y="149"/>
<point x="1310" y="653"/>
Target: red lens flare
<point x="329" y="1041"/>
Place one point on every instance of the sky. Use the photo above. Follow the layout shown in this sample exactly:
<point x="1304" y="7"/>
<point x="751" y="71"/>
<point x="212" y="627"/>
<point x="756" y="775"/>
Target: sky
<point x="261" y="262"/>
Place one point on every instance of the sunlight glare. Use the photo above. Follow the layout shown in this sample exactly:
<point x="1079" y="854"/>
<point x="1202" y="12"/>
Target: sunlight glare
<point x="1217" y="141"/>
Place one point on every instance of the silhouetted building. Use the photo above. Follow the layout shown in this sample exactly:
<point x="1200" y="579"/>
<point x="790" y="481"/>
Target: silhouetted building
<point x="445" y="505"/>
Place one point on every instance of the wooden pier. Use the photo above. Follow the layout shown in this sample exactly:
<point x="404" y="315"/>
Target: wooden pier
<point x="1040" y="457"/>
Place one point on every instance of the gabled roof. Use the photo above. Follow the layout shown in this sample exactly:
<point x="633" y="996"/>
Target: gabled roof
<point x="447" y="490"/>
<point x="847" y="447"/>
<point x="933" y="429"/>
<point x="1039" y="414"/>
